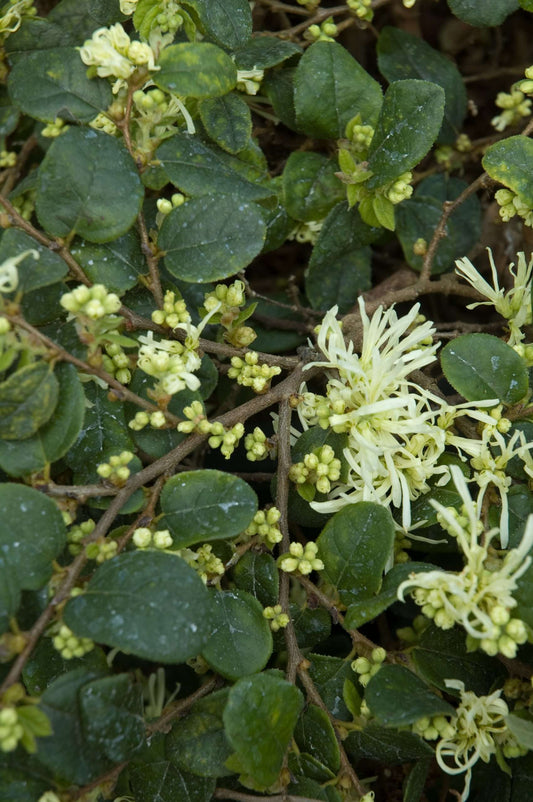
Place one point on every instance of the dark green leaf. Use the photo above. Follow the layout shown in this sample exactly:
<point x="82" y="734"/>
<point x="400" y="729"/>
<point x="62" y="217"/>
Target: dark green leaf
<point x="206" y="505"/>
<point x="33" y="273"/>
<point x="22" y="777"/>
<point x="263" y="52"/>
<point x="355" y="545"/>
<point x="310" y="186"/>
<point x="507" y="162"/>
<point x="198" y="169"/>
<point x="162" y="781"/>
<point x="329" y="675"/>
<point x="520" y="508"/>
<point x="275" y="703"/>
<point x="416" y="781"/>
<point x="150" y="603"/>
<point x="229" y="22"/>
<point x="240" y="642"/>
<point x="481" y="13"/>
<point x="9" y="115"/>
<point x="306" y="765"/>
<point x="36" y="35"/>
<point x="55" y="437"/>
<point x="407" y="126"/>
<point x="54" y="83"/>
<point x="111" y="716"/>
<point x="418" y="217"/>
<point x="257" y="573"/>
<point x="480" y="367"/>
<point x="310" y="626"/>
<point x="88" y="184"/>
<point x="314" y="734"/>
<point x="524" y="597"/>
<point x="522" y="728"/>
<point x="198" y="743"/>
<point x="402" y="55"/>
<point x="227" y="120"/>
<point x="82" y="19"/>
<point x="397" y="697"/>
<point x="386" y="746"/>
<point x="117" y="264"/>
<point x="195" y="69"/>
<point x="330" y="87"/>
<point x="27" y="400"/>
<point x="278" y="86"/>
<point x="46" y="664"/>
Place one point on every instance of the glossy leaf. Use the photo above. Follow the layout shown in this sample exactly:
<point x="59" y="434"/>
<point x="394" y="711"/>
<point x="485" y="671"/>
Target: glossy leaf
<point x="416" y="781"/>
<point x="206" y="505"/>
<point x="229" y="22"/>
<point x="408" y="125"/>
<point x="507" y="162"/>
<point x="155" y="777"/>
<point x="27" y="400"/>
<point x="481" y="367"/>
<point x="315" y="734"/>
<point x="386" y="745"/>
<point x="54" y="83"/>
<point x="240" y="642"/>
<point x="397" y="697"/>
<point x="329" y="674"/>
<point x="310" y="186"/>
<point x="402" y="55"/>
<point x="331" y="87"/>
<point x="257" y="573"/>
<point x="481" y="13"/>
<point x="274" y="702"/>
<point x="111" y="716"/>
<point x="116" y="264"/>
<point x="32" y="273"/>
<point x="88" y="184"/>
<point x="355" y="545"/>
<point x="211" y="238"/>
<point x="263" y="52"/>
<point x="227" y="120"/>
<point x="151" y="604"/>
<point x="195" y="69"/>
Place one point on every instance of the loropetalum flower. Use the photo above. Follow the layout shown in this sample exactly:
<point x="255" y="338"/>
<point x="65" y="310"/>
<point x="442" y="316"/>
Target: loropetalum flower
<point x="394" y="441"/>
<point x="114" y="55"/>
<point x="514" y="304"/>
<point x="480" y="597"/>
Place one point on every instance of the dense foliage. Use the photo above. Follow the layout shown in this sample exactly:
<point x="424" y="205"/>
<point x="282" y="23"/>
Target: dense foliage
<point x="266" y="438"/>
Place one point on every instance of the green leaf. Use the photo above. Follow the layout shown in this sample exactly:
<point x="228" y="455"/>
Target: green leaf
<point x="117" y="264"/>
<point x="278" y="86"/>
<point x="206" y="505"/>
<point x="520" y="508"/>
<point x="402" y="55"/>
<point x="257" y="573"/>
<point x="480" y="367"/>
<point x="22" y="777"/>
<point x="211" y="238"/>
<point x="54" y="438"/>
<point x="27" y="400"/>
<point x="480" y="13"/>
<point x="521" y="727"/>
<point x="276" y="704"/>
<point x="524" y="597"/>
<point x="440" y="655"/>
<point x="195" y="69"/>
<point x="355" y="545"/>
<point x="303" y="764"/>
<point x="339" y="267"/>
<point x="310" y="626"/>
<point x="418" y="217"/>
<point x="416" y="781"/>
<point x="54" y="83"/>
<point x="407" y="126"/>
<point x="9" y="115"/>
<point x="82" y="19"/>
<point x="310" y="185"/>
<point x="156" y="778"/>
<point x="227" y="120"/>
<point x="111" y="716"/>
<point x="507" y="162"/>
<point x="263" y="52"/>
<point x="241" y="641"/>
<point x="32" y="273"/>
<point x="46" y="664"/>
<point x="330" y="87"/>
<point x="197" y="169"/>
<point x="386" y="746"/>
<point x="329" y="674"/>
<point x="397" y="697"/>
<point x="229" y="22"/>
<point x="314" y="734"/>
<point x="88" y="184"/>
<point x="149" y="603"/>
<point x="198" y="742"/>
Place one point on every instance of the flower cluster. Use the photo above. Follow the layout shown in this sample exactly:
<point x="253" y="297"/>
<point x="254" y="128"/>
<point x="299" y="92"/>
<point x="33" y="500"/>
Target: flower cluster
<point x="92" y="302"/>
<point x="69" y="645"/>
<point x="366" y="667"/>
<point x="276" y="617"/>
<point x="223" y="305"/>
<point x="11" y="731"/>
<point x="116" y="470"/>
<point x="249" y="372"/>
<point x="301" y="558"/>
<point x="101" y="550"/>
<point x="325" y="32"/>
<point x="206" y="564"/>
<point x="156" y="419"/>
<point x="225" y="439"/>
<point x="306" y="231"/>
<point x="114" y="55"/>
<point x="480" y="596"/>
<point x="265" y="524"/>
<point x="174" y="311"/>
<point x="362" y="9"/>
<point x="172" y="363"/>
<point x="515" y="106"/>
<point x="13" y="15"/>
<point x="317" y="470"/>
<point x="249" y="81"/>
<point x="511" y="204"/>
<point x="144" y="538"/>
<point x="257" y="445"/>
<point x="116" y="362"/>
<point x="77" y="533"/>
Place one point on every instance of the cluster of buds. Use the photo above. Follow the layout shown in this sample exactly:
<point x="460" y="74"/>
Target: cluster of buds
<point x="11" y="731"/>
<point x="360" y="137"/>
<point x="515" y="106"/>
<point x="77" y="533"/>
<point x="401" y="543"/>
<point x="223" y="305"/>
<point x="91" y="302"/>
<point x="144" y="538"/>
<point x="276" y="617"/>
<point x="55" y="129"/>
<point x="249" y="372"/>
<point x="174" y="311"/>
<point x="8" y="158"/>
<point x="206" y="564"/>
<point x="172" y="363"/>
<point x="25" y="203"/>
<point x="511" y="204"/>
<point x="69" y="645"/>
<point x="164" y="207"/>
<point x="101" y="550"/>
<point x="301" y="559"/>
<point x="325" y="32"/>
<point x="102" y="122"/>
<point x="306" y="231"/>
<point x="156" y="419"/>
<point x="265" y="525"/>
<point x="116" y="470"/>
<point x="316" y="472"/>
<point x="362" y="9"/>
<point x="366" y="667"/>
<point x="116" y="362"/>
<point x="434" y="727"/>
<point x="225" y="439"/>
<point x="257" y="445"/>
<point x="196" y="419"/>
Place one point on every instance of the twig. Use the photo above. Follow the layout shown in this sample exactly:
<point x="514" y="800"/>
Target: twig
<point x="14" y="172"/>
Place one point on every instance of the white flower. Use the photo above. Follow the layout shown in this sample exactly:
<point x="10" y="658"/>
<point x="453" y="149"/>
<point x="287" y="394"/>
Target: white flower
<point x="171" y="362"/>
<point x="9" y="277"/>
<point x="515" y="304"/>
<point x="113" y="54"/>
<point x="249" y="80"/>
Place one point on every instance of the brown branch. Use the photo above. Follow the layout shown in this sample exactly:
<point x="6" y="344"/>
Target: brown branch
<point x="152" y="261"/>
<point x="13" y="173"/>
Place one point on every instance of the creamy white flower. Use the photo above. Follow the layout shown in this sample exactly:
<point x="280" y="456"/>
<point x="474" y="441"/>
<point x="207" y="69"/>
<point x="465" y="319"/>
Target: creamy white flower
<point x="9" y="277"/>
<point x="113" y="54"/>
<point x="515" y="304"/>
